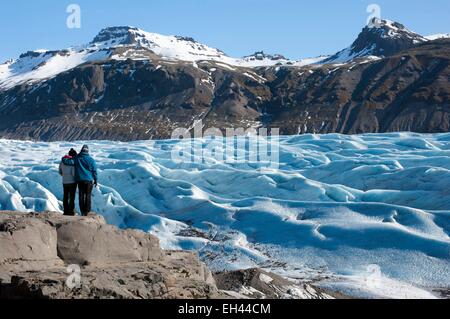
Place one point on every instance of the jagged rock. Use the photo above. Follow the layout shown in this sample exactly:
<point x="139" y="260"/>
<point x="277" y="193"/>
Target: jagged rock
<point x="37" y="248"/>
<point x="259" y="284"/>
<point x="86" y="242"/>
<point x="180" y="275"/>
<point x="26" y="243"/>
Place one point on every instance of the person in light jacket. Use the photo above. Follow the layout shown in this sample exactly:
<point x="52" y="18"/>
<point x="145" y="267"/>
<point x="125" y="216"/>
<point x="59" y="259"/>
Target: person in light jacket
<point x="67" y="171"/>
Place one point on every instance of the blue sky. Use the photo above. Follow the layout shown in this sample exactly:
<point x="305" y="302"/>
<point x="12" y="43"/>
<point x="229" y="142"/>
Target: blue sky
<point x="295" y="28"/>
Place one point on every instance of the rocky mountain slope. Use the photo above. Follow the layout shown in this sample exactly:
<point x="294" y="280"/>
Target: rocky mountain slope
<point x="39" y="251"/>
<point x="380" y="39"/>
<point x="128" y="84"/>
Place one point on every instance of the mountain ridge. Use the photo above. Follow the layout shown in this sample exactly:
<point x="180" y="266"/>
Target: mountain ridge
<point x="130" y="84"/>
<point x="112" y="39"/>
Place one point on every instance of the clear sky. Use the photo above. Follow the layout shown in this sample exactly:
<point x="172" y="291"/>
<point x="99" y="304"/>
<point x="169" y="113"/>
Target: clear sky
<point x="295" y="28"/>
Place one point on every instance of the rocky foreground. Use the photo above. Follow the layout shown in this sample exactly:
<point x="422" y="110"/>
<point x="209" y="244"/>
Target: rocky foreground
<point x="40" y="255"/>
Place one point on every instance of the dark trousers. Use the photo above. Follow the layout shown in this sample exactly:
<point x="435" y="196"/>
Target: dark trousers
<point x="85" y="194"/>
<point x="70" y="190"/>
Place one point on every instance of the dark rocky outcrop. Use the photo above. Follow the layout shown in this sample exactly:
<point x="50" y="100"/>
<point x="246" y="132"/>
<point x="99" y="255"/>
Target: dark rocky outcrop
<point x="259" y="284"/>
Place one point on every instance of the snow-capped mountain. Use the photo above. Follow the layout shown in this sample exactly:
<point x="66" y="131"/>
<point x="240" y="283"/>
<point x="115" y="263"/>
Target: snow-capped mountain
<point x="170" y="47"/>
<point x="129" y="84"/>
<point x="119" y="43"/>
<point x="382" y="38"/>
<point x="262" y="59"/>
<point x="122" y="43"/>
<point x="125" y="42"/>
<point x="438" y="36"/>
<point x="35" y="66"/>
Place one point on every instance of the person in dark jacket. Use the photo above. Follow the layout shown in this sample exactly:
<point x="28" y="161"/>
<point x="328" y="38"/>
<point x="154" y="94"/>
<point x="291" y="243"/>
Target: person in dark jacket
<point x="86" y="177"/>
<point x="67" y="171"/>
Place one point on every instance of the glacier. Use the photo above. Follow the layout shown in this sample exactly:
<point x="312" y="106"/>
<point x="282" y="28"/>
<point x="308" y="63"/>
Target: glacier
<point x="365" y="215"/>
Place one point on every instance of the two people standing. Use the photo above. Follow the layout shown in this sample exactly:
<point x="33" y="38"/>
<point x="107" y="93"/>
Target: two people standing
<point x="78" y="171"/>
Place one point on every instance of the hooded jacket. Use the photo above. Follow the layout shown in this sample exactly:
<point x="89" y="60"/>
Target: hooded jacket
<point x="85" y="167"/>
<point x="67" y="170"/>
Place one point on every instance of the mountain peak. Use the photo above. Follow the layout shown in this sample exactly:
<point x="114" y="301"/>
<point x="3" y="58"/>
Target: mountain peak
<point x="438" y="36"/>
<point x="120" y="34"/>
<point x="261" y="55"/>
<point x="128" y="35"/>
<point x="381" y="38"/>
<point x="376" y="22"/>
<point x="390" y="29"/>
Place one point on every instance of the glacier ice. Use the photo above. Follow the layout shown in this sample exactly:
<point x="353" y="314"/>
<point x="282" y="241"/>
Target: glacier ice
<point x="336" y="205"/>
